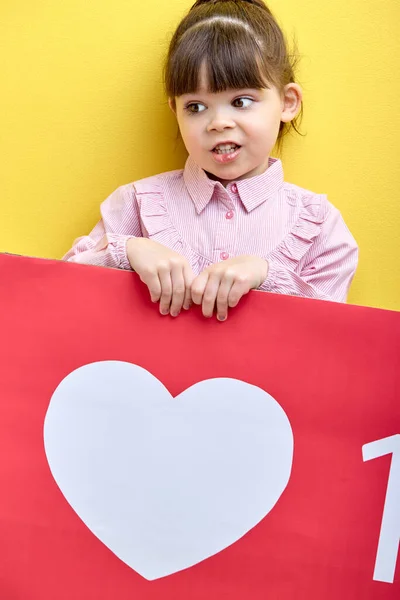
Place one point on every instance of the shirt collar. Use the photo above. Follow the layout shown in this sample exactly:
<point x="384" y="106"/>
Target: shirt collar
<point x="252" y="191"/>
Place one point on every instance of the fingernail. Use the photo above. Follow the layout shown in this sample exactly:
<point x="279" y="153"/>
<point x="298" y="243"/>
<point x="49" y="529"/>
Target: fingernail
<point x="221" y="318"/>
<point x="175" y="314"/>
<point x="164" y="311"/>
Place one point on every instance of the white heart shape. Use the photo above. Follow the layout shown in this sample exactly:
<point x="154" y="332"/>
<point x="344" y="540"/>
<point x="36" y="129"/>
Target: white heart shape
<point x="166" y="482"/>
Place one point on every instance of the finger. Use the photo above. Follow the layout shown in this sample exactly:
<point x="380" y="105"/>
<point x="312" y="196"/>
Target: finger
<point x="164" y="275"/>
<point x="210" y="294"/>
<point x="153" y="284"/>
<point x="178" y="290"/>
<point x="237" y="291"/>
<point x="198" y="287"/>
<point x="222" y="299"/>
<point x="187" y="302"/>
<point x="188" y="278"/>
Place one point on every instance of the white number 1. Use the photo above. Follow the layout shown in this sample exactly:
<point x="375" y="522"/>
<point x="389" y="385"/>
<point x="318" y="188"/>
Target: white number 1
<point x="389" y="538"/>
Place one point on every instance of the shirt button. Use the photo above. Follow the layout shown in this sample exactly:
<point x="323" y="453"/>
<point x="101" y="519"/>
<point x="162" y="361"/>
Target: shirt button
<point x="224" y="255"/>
<point x="229" y="214"/>
<point x="234" y="188"/>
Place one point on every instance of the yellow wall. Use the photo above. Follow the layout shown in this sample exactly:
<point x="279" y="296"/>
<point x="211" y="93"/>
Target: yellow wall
<point x="82" y="112"/>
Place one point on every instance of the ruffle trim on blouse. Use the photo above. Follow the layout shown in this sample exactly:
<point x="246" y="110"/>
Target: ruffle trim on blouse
<point x="157" y="224"/>
<point x="308" y="226"/>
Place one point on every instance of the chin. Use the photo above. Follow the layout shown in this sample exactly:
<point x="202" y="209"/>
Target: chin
<point x="224" y="175"/>
<point x="230" y="172"/>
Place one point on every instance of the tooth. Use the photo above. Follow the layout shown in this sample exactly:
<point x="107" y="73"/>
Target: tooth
<point x="225" y="148"/>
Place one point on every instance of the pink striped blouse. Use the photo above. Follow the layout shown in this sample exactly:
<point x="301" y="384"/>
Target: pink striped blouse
<point x="303" y="237"/>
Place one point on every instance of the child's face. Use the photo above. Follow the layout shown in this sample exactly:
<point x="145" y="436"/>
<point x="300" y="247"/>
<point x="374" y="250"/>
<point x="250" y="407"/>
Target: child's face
<point x="250" y="118"/>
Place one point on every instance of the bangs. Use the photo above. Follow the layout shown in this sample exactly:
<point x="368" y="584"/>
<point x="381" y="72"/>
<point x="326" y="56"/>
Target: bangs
<point x="230" y="54"/>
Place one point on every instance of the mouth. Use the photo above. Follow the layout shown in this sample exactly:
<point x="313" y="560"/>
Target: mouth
<point x="226" y="152"/>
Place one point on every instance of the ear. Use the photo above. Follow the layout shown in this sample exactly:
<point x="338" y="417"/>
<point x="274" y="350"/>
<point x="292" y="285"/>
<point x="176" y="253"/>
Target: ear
<point x="172" y="105"/>
<point x="291" y="102"/>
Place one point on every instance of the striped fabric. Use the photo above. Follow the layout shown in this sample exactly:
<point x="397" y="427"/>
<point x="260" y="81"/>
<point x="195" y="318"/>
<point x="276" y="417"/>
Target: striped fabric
<point x="309" y="249"/>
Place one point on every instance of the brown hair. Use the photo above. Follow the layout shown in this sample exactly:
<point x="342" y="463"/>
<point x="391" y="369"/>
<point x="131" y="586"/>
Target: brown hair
<point x="240" y="43"/>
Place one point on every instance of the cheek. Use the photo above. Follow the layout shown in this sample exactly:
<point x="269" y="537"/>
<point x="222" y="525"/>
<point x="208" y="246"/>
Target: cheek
<point x="262" y="129"/>
<point x="191" y="134"/>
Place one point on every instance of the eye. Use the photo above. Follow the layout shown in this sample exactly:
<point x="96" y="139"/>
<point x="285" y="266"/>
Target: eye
<point x="195" y="107"/>
<point x="243" y="102"/>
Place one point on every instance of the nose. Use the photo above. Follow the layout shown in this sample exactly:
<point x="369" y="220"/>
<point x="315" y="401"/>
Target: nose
<point x="220" y="121"/>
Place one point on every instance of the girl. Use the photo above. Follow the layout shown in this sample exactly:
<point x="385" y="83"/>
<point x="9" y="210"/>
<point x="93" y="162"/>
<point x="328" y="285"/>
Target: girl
<point x="228" y="222"/>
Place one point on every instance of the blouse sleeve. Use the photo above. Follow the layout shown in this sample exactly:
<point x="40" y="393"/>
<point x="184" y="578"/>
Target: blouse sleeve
<point x="106" y="244"/>
<point x="327" y="269"/>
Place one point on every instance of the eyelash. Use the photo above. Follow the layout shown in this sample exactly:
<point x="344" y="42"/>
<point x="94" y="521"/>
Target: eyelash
<point x="190" y="112"/>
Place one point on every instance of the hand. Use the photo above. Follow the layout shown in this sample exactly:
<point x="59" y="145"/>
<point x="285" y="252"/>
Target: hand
<point x="166" y="273"/>
<point x="223" y="284"/>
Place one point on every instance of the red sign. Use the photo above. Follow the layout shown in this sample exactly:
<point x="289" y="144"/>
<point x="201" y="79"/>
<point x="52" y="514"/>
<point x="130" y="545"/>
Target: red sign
<point x="333" y="372"/>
